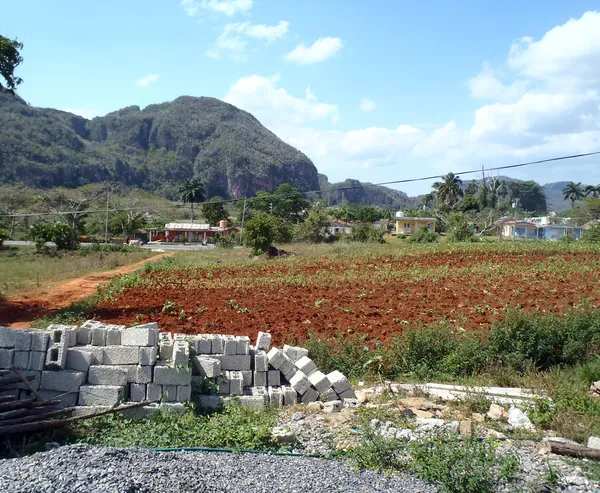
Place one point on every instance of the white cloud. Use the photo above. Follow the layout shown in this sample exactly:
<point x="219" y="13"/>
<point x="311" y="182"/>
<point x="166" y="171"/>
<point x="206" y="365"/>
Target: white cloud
<point x="367" y="104"/>
<point x="147" y="79"/>
<point x="320" y="50"/>
<point x="87" y="113"/>
<point x="227" y="7"/>
<point x="487" y="85"/>
<point x="232" y="43"/>
<point x="261" y="31"/>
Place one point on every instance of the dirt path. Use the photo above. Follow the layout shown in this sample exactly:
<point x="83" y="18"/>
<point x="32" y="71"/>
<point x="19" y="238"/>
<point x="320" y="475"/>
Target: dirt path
<point x="20" y="311"/>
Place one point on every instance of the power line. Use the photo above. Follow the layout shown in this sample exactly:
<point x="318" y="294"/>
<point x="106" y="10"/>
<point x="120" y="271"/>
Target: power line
<point x="330" y="190"/>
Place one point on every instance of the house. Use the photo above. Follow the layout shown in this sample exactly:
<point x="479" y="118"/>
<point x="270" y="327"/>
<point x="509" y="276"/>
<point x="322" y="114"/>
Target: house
<point x="339" y="226"/>
<point x="409" y="225"/>
<point x="538" y="230"/>
<point x="382" y="224"/>
<point x="189" y="233"/>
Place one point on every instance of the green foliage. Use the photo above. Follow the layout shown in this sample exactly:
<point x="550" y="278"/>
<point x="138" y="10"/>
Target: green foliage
<point x="449" y="191"/>
<point x="360" y="213"/>
<point x="61" y="234"/>
<point x="573" y="192"/>
<point x="458" y="228"/>
<point x="286" y="203"/>
<point x="530" y="196"/>
<point x="355" y="192"/>
<point x="3" y="236"/>
<point x="41" y="233"/>
<point x="591" y="235"/>
<point x="262" y="230"/>
<point x="192" y="192"/>
<point x="365" y="233"/>
<point x="314" y="228"/>
<point x="423" y="235"/>
<point x="214" y="210"/>
<point x="225" y="241"/>
<point x="10" y="58"/>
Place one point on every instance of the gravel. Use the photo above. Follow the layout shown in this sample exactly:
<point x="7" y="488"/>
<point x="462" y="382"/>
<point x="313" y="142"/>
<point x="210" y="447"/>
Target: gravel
<point x="84" y="468"/>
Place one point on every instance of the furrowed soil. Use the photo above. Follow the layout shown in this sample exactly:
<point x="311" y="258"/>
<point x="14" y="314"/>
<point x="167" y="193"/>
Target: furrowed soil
<point x="376" y="294"/>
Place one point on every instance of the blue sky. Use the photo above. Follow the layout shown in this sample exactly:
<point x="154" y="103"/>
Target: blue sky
<point x="377" y="91"/>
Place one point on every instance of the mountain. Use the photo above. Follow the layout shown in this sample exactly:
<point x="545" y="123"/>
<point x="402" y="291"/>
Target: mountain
<point x="154" y="149"/>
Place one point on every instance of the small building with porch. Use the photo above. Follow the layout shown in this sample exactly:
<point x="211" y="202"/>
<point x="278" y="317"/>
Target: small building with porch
<point x="409" y="225"/>
<point x="189" y="233"/>
<point x="535" y="230"/>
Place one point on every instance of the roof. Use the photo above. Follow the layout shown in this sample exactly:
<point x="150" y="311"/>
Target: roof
<point x="342" y="223"/>
<point x="187" y="227"/>
<point x="522" y="224"/>
<point x="560" y="226"/>
<point x="416" y="218"/>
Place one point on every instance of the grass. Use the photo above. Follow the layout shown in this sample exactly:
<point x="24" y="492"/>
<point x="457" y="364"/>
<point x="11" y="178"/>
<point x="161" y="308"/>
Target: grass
<point x="24" y="270"/>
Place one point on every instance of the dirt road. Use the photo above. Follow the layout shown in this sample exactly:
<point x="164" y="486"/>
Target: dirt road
<point x="20" y="311"/>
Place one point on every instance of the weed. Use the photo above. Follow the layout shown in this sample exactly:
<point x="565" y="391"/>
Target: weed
<point x="169" y="307"/>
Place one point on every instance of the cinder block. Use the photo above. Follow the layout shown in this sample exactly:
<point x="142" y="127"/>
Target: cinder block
<point x="23" y="340"/>
<point x="273" y="378"/>
<point x="350" y="402"/>
<point x="287" y="366"/>
<point x="319" y="381"/>
<point x="295" y="352"/>
<point x="35" y="383"/>
<point x="260" y="378"/>
<point x="7" y="357"/>
<point x="169" y="393"/>
<point x="209" y="402"/>
<point x="197" y="384"/>
<point x="84" y="335"/>
<point x="234" y="362"/>
<point x="165" y="351"/>
<point x="137" y="392"/>
<point x="203" y="344"/>
<point x="121" y="355"/>
<point x="21" y="359"/>
<point x="79" y="359"/>
<point x="165" y="375"/>
<point x="140" y="374"/>
<point x="56" y="356"/>
<point x="261" y="362"/>
<point x="260" y="392"/>
<point x="141" y="335"/>
<point x="87" y="410"/>
<point x="100" y="395"/>
<point x="173" y="408"/>
<point x="217" y="344"/>
<point x="66" y="400"/>
<point x="63" y="381"/>
<point x="39" y="340"/>
<point x="243" y="345"/>
<point x="223" y="384"/>
<point x="108" y="375"/>
<point x="247" y="377"/>
<point x="333" y="407"/>
<point x="338" y="381"/>
<point x="99" y="336"/>
<point x="306" y="365"/>
<point x="252" y="402"/>
<point x="147" y="355"/>
<point x="207" y="367"/>
<point x="236" y="383"/>
<point x="69" y="333"/>
<point x="184" y="393"/>
<point x="300" y="383"/>
<point x="290" y="373"/>
<point x="37" y="360"/>
<point x="113" y="337"/>
<point x="179" y="337"/>
<point x="276" y="357"/>
<point x="97" y="353"/>
<point x="7" y="337"/>
<point x="181" y="353"/>
<point x="229" y="345"/>
<point x="263" y="341"/>
<point x="347" y="394"/>
<point x="275" y="396"/>
<point x="290" y="396"/>
<point x="328" y="395"/>
<point x="311" y="395"/>
<point x="153" y="392"/>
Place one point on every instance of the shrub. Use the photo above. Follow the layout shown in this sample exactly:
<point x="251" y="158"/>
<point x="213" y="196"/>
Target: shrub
<point x="61" y="234"/>
<point x="225" y="241"/>
<point x="592" y="235"/>
<point x="314" y="228"/>
<point x="458" y="228"/>
<point x="262" y="230"/>
<point x="423" y="235"/>
<point x="365" y="233"/>
<point x="3" y="236"/>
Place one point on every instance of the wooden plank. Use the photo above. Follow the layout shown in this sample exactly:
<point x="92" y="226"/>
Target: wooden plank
<point x="578" y="451"/>
<point x="18" y="413"/>
<point x="10" y="380"/>
<point x="8" y="398"/>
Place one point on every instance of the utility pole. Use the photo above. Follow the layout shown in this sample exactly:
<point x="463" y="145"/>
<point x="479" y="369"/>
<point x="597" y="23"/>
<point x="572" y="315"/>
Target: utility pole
<point x="243" y="217"/>
<point x="106" y="223"/>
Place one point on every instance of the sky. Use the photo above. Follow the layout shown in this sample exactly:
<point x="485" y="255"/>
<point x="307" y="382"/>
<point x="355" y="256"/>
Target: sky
<point x="377" y="91"/>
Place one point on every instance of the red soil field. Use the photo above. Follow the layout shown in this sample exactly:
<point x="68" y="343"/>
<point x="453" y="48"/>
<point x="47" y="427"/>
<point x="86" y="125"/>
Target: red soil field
<point x="372" y="295"/>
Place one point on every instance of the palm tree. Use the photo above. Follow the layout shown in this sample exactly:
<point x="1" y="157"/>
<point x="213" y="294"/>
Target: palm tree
<point x="573" y="192"/>
<point x="497" y="189"/>
<point x="592" y="190"/>
<point x="192" y="192"/>
<point x="450" y="189"/>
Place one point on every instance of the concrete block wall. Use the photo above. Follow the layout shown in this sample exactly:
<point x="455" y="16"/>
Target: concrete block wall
<point x="102" y="365"/>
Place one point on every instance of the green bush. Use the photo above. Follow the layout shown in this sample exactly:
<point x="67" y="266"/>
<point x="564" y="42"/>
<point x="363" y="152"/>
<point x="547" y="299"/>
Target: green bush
<point x="3" y="236"/>
<point x="314" y="227"/>
<point x="591" y="235"/>
<point x="225" y="241"/>
<point x="61" y="234"/>
<point x="365" y="233"/>
<point x="423" y="235"/>
<point x="262" y="230"/>
<point x="458" y="229"/>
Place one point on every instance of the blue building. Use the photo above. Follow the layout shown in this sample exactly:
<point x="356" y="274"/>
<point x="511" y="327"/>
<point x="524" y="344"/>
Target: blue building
<point x="529" y="230"/>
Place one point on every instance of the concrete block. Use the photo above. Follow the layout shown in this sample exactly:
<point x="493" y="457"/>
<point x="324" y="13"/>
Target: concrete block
<point x="351" y="402"/>
<point x="56" y="356"/>
<point x="260" y="392"/>
<point x="300" y="383"/>
<point x="172" y="408"/>
<point x="263" y="341"/>
<point x="98" y="336"/>
<point x="79" y="359"/>
<point x="197" y="384"/>
<point x="209" y="402"/>
<point x="306" y="365"/>
<point x="276" y="357"/>
<point x="140" y="374"/>
<point x="273" y="378"/>
<point x="108" y="375"/>
<point x="97" y="353"/>
<point x="294" y="352"/>
<point x="311" y="395"/>
<point x="7" y="337"/>
<point x="21" y="359"/>
<point x="179" y="337"/>
<point x="137" y="392"/>
<point x="252" y="402"/>
<point x="207" y="367"/>
<point x="289" y="373"/>
<point x="275" y="396"/>
<point x="39" y="340"/>
<point x="287" y="366"/>
<point x="121" y="355"/>
<point x="229" y="345"/>
<point x="165" y="375"/>
<point x="69" y="333"/>
<point x="113" y="337"/>
<point x="165" y="350"/>
<point x="338" y="381"/>
<point x="290" y="396"/>
<point x="247" y="377"/>
<point x="217" y="344"/>
<point x="87" y="410"/>
<point x="23" y="340"/>
<point x="243" y="345"/>
<point x="141" y="335"/>
<point x="184" y="393"/>
<point x="37" y="360"/>
<point x="234" y="362"/>
<point x="347" y="394"/>
<point x="333" y="407"/>
<point x="100" y="395"/>
<point x="203" y="344"/>
<point x="223" y="384"/>
<point x="35" y="383"/>
<point x="66" y="400"/>
<point x="84" y="335"/>
<point x="169" y="393"/>
<point x="260" y="378"/>
<point x="328" y="395"/>
<point x="261" y="362"/>
<point x="64" y="381"/>
<point x="147" y="355"/>
<point x="236" y="382"/>
<point x="153" y="392"/>
<point x="181" y="353"/>
<point x="7" y="356"/>
<point x="319" y="381"/>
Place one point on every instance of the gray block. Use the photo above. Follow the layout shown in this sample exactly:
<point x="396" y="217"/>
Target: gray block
<point x="290" y="396"/>
<point x="229" y="345"/>
<point x="165" y="350"/>
<point x="37" y="360"/>
<point x="294" y="352"/>
<point x="153" y="392"/>
<point x="84" y="335"/>
<point x="260" y="392"/>
<point x="165" y="375"/>
<point x="69" y="333"/>
<point x="99" y="336"/>
<point x="184" y="393"/>
<point x="347" y="394"/>
<point x="66" y="400"/>
<point x="87" y="410"/>
<point x="137" y="392"/>
<point x="252" y="402"/>
<point x="234" y="362"/>
<point x="207" y="367"/>
<point x="243" y="345"/>
<point x="141" y="374"/>
<point x="209" y="402"/>
<point x="319" y="381"/>
<point x="141" y="335"/>
<point x="236" y="382"/>
<point x="203" y="344"/>
<point x="113" y="337"/>
<point x="306" y="365"/>
<point x="287" y="366"/>
<point x="63" y="381"/>
<point x="328" y="395"/>
<point x="7" y="357"/>
<point x="261" y="362"/>
<point x="121" y="355"/>
<point x="35" y="383"/>
<point x="247" y="377"/>
<point x="290" y="373"/>
<point x="181" y="353"/>
<point x="263" y="341"/>
<point x="100" y="395"/>
<point x="311" y="395"/>
<point x="169" y="393"/>
<point x="273" y="378"/>
<point x="276" y="357"/>
<point x="39" y="340"/>
<point x="179" y="337"/>
<point x="108" y="375"/>
<point x="7" y="337"/>
<point x="300" y="383"/>
<point x="217" y="344"/>
<point x="275" y="397"/>
<point x="223" y="384"/>
<point x="56" y="356"/>
<point x="333" y="407"/>
<point x="23" y="340"/>
<point x="147" y="355"/>
<point x="338" y="381"/>
<point x="21" y="360"/>
<point x="260" y="378"/>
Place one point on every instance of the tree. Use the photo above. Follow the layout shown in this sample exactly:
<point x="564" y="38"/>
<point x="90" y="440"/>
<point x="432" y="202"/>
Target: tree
<point x="472" y="188"/>
<point x="287" y="203"/>
<point x="458" y="228"/>
<point x="530" y="196"/>
<point x="592" y="191"/>
<point x="314" y="228"/>
<point x="365" y="233"/>
<point x="192" y="192"/>
<point x="213" y="210"/>
<point x="3" y="236"/>
<point x="573" y="192"/>
<point x="10" y="58"/>
<point x="60" y="233"/>
<point x="449" y="191"/>
<point x="592" y="235"/>
<point x="262" y="230"/>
